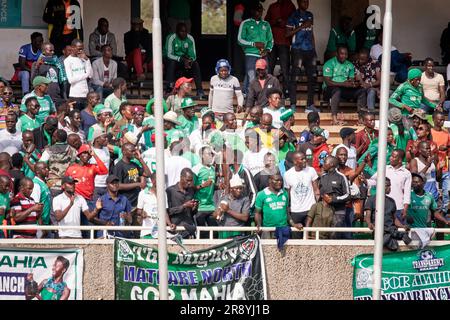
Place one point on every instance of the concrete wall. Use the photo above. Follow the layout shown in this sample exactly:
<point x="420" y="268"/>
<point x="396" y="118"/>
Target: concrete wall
<point x="302" y="273"/>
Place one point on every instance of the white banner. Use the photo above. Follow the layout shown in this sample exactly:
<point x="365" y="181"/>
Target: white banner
<point x="34" y="274"/>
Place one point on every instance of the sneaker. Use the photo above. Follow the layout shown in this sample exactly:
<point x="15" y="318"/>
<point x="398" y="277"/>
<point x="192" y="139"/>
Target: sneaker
<point x="312" y="108"/>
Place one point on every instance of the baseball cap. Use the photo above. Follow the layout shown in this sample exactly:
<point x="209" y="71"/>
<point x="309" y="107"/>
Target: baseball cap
<point x="112" y="178"/>
<point x="37" y="81"/>
<point x="345" y="132"/>
<point x="261" y="64"/>
<point x="68" y="179"/>
<point x="321" y="132"/>
<point x="182" y="81"/>
<point x="138" y="109"/>
<point x="83" y="148"/>
<point x="187" y="103"/>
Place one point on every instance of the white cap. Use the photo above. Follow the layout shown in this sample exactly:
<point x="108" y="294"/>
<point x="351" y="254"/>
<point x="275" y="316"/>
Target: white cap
<point x="131" y="137"/>
<point x="235" y="181"/>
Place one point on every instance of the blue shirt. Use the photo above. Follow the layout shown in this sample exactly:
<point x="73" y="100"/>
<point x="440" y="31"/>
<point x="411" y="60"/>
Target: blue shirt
<point x="111" y="212"/>
<point x="26" y="51"/>
<point x="303" y="39"/>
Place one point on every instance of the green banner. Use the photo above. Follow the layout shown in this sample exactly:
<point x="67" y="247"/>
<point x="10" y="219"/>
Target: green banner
<point x="231" y="271"/>
<point x="10" y="13"/>
<point x="410" y="275"/>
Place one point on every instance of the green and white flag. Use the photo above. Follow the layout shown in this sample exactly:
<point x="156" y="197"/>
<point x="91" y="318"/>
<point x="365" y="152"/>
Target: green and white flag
<point x="409" y="275"/>
<point x="231" y="271"/>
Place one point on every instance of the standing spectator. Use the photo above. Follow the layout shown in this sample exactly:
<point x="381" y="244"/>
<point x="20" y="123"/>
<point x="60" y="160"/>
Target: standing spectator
<point x="104" y="71"/>
<point x="222" y="89"/>
<point x="265" y="132"/>
<point x="6" y="104"/>
<point x="270" y="168"/>
<point x="424" y="165"/>
<point x="49" y="66"/>
<point x="188" y="120"/>
<point x="339" y="82"/>
<point x="102" y="37"/>
<point x="65" y="18"/>
<point x="175" y="163"/>
<point x="46" y="104"/>
<point x="29" y="153"/>
<point x="257" y="94"/>
<point x="28" y="120"/>
<point x="115" y="99"/>
<point x="445" y="45"/>
<point x="313" y="121"/>
<point x="138" y="48"/>
<point x="5" y="200"/>
<point x="423" y="135"/>
<point x="104" y="121"/>
<point x="254" y="117"/>
<point x="341" y="36"/>
<point x="170" y="122"/>
<point x="368" y="73"/>
<point x="180" y="54"/>
<point x="372" y="165"/>
<point x="74" y="124"/>
<point x="99" y="147"/>
<point x="317" y="148"/>
<point x="206" y="133"/>
<point x="277" y="16"/>
<point x="274" y="107"/>
<point x="303" y="52"/>
<point x="348" y="140"/>
<point x="255" y="38"/>
<point x="10" y="137"/>
<point x="24" y="210"/>
<point x="321" y="215"/>
<point x="41" y="192"/>
<point x="87" y="114"/>
<point x="114" y="209"/>
<point x="254" y="157"/>
<point x="78" y="70"/>
<point x="235" y="168"/>
<point x="43" y="136"/>
<point x="434" y="85"/>
<point x="401" y="135"/>
<point x="365" y="137"/>
<point x="182" y="89"/>
<point x="28" y="54"/>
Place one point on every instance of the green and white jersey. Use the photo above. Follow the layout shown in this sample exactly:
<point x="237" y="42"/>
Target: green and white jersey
<point x="26" y="123"/>
<point x="273" y="206"/>
<point x="420" y="209"/>
<point x="46" y="103"/>
<point x="42" y="195"/>
<point x="186" y="125"/>
<point x="205" y="196"/>
<point x="338" y="72"/>
<point x="4" y="204"/>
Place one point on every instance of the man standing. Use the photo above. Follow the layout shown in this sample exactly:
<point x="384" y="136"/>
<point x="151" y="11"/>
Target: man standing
<point x="303" y="51"/>
<point x="28" y="120"/>
<point x="274" y="107"/>
<point x="115" y="99"/>
<point x="99" y="147"/>
<point x="47" y="106"/>
<point x="43" y="134"/>
<point x="255" y="38"/>
<point x="10" y="137"/>
<point x="313" y="121"/>
<point x="366" y="136"/>
<point x="5" y="188"/>
<point x="317" y="149"/>
<point x="41" y="192"/>
<point x="188" y="120"/>
<point x="348" y="140"/>
<point x="138" y="48"/>
<point x="259" y="87"/>
<point x="424" y="165"/>
<point x="28" y="54"/>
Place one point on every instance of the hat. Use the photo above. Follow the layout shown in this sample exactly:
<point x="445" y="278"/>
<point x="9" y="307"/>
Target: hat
<point x="100" y="108"/>
<point x="182" y="81"/>
<point x="286" y="115"/>
<point x="235" y="181"/>
<point x="171" y="117"/>
<point x="37" y="81"/>
<point x="83" y="148"/>
<point x="394" y="115"/>
<point x="138" y="109"/>
<point x="151" y="102"/>
<point x="97" y="131"/>
<point x="419" y="113"/>
<point x="136" y="20"/>
<point x="131" y="137"/>
<point x="345" y="132"/>
<point x="153" y="137"/>
<point x="205" y="110"/>
<point x="187" y="103"/>
<point x="68" y="179"/>
<point x="261" y="64"/>
<point x="414" y="73"/>
<point x="321" y="132"/>
<point x="112" y="178"/>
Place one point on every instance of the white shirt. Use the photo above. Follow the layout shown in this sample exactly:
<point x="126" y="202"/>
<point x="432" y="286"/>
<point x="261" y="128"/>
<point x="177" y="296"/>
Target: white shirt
<point x="72" y="217"/>
<point x="10" y="142"/>
<point x="276" y="114"/>
<point x="351" y="160"/>
<point x="431" y="86"/>
<point x="103" y="154"/>
<point x="148" y="203"/>
<point x="173" y="167"/>
<point x="78" y="71"/>
<point x="302" y="192"/>
<point x="254" y="161"/>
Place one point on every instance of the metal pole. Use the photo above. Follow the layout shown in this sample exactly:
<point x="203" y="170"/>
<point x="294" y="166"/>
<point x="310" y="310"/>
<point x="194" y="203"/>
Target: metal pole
<point x="382" y="145"/>
<point x="159" y="130"/>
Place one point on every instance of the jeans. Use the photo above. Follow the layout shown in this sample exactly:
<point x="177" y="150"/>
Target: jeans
<point x="308" y="60"/>
<point x="250" y="72"/>
<point x="24" y="77"/>
<point x="445" y="190"/>
<point x="174" y="66"/>
<point x="349" y="218"/>
<point x="203" y="218"/>
<point x="371" y="98"/>
<point x="336" y="94"/>
<point x="282" y="52"/>
<point x="446" y="107"/>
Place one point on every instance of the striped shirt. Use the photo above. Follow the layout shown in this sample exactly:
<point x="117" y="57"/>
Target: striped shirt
<point x="21" y="203"/>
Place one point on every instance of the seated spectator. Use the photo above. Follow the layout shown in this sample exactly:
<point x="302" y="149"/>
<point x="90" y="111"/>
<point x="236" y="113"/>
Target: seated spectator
<point x="182" y="89"/>
<point x="79" y="70"/>
<point x="409" y="95"/>
<point x="101" y="37"/>
<point x="115" y="99"/>
<point x="274" y="107"/>
<point x="257" y="94"/>
<point x="368" y="73"/>
<point x="180" y="54"/>
<point x="138" y="48"/>
<point x="10" y="137"/>
<point x="28" y="120"/>
<point x="434" y="86"/>
<point x="49" y="66"/>
<point x="222" y="89"/>
<point x="341" y="36"/>
<point x="318" y="148"/>
<point x="339" y="82"/>
<point x="104" y="71"/>
<point x="28" y="54"/>
<point x="47" y="106"/>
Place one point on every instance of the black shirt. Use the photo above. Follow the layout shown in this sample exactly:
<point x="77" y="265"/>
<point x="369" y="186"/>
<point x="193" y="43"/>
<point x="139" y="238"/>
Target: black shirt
<point x="129" y="173"/>
<point x="175" y="200"/>
<point x="389" y="210"/>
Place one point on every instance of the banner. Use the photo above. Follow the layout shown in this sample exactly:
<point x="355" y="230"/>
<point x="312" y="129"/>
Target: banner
<point x="231" y="271"/>
<point x="409" y="275"/>
<point x="29" y="274"/>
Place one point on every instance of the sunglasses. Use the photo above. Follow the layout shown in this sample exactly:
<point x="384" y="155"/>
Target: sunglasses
<point x="421" y="128"/>
<point x="8" y="93"/>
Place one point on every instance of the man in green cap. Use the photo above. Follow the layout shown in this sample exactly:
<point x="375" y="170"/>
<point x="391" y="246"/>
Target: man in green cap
<point x="409" y="95"/>
<point x="47" y="107"/>
<point x="188" y="120"/>
<point x="105" y="121"/>
<point x="150" y="109"/>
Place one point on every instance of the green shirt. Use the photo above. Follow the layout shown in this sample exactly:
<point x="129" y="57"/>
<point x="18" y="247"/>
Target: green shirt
<point x="407" y="94"/>
<point x="25" y="168"/>
<point x="173" y="135"/>
<point x="26" y="123"/>
<point x="205" y="195"/>
<point x="338" y="72"/>
<point x="401" y="141"/>
<point x="4" y="204"/>
<point x="251" y="31"/>
<point x="192" y="157"/>
<point x="176" y="48"/>
<point x="186" y="125"/>
<point x="288" y="146"/>
<point x="338" y="38"/>
<point x="114" y="103"/>
<point x="45" y="199"/>
<point x="46" y="103"/>
<point x="373" y="151"/>
<point x="273" y="207"/>
<point x="420" y="209"/>
<point x="118" y="152"/>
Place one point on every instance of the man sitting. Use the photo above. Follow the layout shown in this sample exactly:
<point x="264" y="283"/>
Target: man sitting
<point x="28" y="54"/>
<point x="180" y="54"/>
<point x="104" y="71"/>
<point x="101" y="37"/>
<point x="138" y="48"/>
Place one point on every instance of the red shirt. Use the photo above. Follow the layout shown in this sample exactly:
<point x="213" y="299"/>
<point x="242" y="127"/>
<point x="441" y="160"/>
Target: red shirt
<point x="364" y="138"/>
<point x="21" y="203"/>
<point x="86" y="176"/>
<point x="281" y="11"/>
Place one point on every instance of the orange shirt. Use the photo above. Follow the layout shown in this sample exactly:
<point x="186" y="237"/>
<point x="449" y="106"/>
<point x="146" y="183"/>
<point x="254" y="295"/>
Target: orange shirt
<point x="441" y="138"/>
<point x="67" y="29"/>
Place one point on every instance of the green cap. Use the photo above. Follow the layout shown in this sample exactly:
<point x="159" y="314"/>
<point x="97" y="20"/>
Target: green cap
<point x="187" y="103"/>
<point x="286" y="115"/>
<point x="151" y="102"/>
<point x="100" y="108"/>
<point x="414" y="73"/>
<point x="205" y="111"/>
<point x="37" y="81"/>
